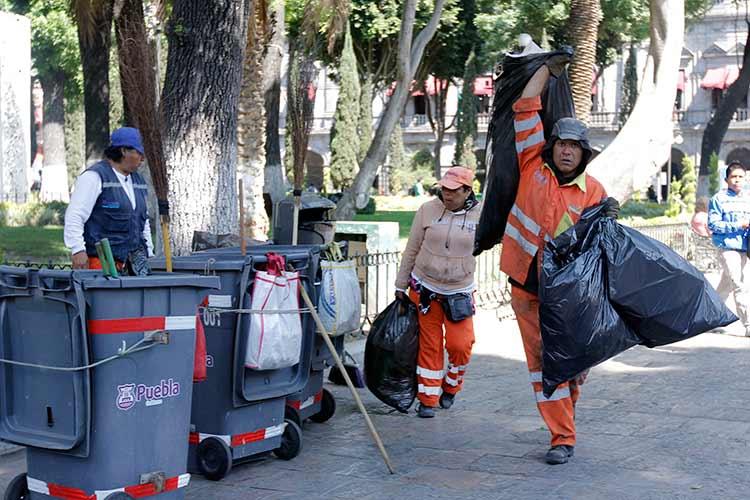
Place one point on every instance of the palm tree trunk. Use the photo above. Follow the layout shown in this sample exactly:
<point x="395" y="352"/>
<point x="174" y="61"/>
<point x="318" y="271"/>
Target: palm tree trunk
<point x="94" y="21"/>
<point x="583" y="28"/>
<point x="54" y="170"/>
<point x="274" y="183"/>
<point x="251" y="131"/>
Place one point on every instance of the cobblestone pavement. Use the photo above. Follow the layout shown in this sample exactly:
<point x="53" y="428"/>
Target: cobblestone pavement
<point x="665" y="423"/>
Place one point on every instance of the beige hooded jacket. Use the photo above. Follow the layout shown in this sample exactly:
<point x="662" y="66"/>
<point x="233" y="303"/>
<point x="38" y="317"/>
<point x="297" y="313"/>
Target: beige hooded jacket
<point x="439" y="248"/>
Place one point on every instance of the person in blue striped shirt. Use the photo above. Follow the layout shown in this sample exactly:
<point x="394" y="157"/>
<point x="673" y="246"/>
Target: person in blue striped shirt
<point x="728" y="220"/>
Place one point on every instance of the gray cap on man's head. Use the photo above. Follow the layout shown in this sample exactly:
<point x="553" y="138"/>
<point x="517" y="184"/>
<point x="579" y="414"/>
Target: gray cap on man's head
<point x="571" y="129"/>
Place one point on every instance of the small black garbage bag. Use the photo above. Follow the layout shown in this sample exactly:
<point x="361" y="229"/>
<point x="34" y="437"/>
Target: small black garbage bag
<point x="391" y="355"/>
<point x="659" y="294"/>
<point x="580" y="328"/>
<point x="500" y="158"/>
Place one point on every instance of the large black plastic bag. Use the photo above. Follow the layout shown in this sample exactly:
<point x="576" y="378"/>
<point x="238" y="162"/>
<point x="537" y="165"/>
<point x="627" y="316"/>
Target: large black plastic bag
<point x="580" y="328"/>
<point x="658" y="293"/>
<point x="500" y="157"/>
<point x="606" y="287"/>
<point x="391" y="355"/>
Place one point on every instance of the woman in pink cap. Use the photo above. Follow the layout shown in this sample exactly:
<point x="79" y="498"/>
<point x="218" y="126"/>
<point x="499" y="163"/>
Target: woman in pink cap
<point x="437" y="272"/>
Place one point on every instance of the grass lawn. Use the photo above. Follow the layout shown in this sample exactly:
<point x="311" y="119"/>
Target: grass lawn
<point x="33" y="243"/>
<point x="404" y="219"/>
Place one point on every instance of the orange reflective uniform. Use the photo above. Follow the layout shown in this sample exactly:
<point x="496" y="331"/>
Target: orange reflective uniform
<point x="459" y="339"/>
<point x="543" y="209"/>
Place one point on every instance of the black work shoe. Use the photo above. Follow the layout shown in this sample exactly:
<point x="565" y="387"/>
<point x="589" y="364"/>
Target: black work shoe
<point x="559" y="454"/>
<point x="425" y="411"/>
<point x="446" y="400"/>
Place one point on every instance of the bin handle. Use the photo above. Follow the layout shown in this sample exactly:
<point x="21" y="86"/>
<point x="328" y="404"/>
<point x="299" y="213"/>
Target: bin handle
<point x="43" y="280"/>
<point x="16" y="273"/>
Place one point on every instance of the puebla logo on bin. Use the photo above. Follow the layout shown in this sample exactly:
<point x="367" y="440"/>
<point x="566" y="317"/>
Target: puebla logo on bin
<point x="128" y="395"/>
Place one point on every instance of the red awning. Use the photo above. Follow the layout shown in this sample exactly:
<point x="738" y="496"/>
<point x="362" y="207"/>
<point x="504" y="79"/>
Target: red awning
<point x="714" y="79"/>
<point x="483" y="85"/>
<point x="681" y="79"/>
<point x="432" y="85"/>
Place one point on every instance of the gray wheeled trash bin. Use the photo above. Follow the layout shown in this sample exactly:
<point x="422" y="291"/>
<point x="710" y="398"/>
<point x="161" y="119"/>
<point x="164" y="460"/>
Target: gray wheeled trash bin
<point x="118" y="428"/>
<point x="239" y="413"/>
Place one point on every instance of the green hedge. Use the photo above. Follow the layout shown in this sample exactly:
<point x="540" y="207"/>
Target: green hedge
<point x="34" y="214"/>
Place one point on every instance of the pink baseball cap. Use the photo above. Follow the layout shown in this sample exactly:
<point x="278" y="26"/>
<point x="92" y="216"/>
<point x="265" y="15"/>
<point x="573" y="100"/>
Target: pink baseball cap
<point x="455" y="177"/>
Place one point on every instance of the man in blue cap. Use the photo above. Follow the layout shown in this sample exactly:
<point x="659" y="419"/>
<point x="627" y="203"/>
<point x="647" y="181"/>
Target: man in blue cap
<point x="109" y="201"/>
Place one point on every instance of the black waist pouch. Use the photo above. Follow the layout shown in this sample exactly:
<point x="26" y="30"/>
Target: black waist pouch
<point x="458" y="307"/>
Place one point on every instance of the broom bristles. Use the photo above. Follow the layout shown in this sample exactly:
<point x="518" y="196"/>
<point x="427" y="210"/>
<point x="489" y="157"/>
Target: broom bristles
<point x="138" y="80"/>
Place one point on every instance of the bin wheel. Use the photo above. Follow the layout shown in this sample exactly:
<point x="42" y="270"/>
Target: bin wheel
<point x="291" y="441"/>
<point x="327" y="408"/>
<point x="118" y="496"/>
<point x="293" y="415"/>
<point x="17" y="489"/>
<point x="214" y="458"/>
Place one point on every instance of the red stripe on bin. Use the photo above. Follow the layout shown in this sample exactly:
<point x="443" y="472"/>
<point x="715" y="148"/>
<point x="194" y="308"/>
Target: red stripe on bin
<point x="248" y="437"/>
<point x="194" y="438"/>
<point x="66" y="493"/>
<point x="148" y="489"/>
<point x="125" y="325"/>
<point x="294" y="404"/>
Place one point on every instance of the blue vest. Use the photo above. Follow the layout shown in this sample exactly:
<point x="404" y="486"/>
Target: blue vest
<point x="113" y="216"/>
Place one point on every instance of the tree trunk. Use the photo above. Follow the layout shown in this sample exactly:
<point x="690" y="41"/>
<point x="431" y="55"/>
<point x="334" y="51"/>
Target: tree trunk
<point x="409" y="55"/>
<point x="200" y="99"/>
<point x="275" y="184"/>
<point x="717" y="126"/>
<point x="439" y="127"/>
<point x="583" y="27"/>
<point x="644" y="143"/>
<point x="94" y="42"/>
<point x="54" y="170"/>
<point x="251" y="131"/>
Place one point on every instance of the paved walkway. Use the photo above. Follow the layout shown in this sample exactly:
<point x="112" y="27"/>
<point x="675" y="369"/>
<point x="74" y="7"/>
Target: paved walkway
<point x="665" y="423"/>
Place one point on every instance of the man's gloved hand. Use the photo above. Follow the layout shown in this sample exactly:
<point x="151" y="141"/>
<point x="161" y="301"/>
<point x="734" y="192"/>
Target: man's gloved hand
<point x="611" y="207"/>
<point x="557" y="64"/>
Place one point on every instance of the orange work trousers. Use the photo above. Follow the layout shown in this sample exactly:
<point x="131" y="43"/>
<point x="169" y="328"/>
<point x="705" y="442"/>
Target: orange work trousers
<point x="95" y="263"/>
<point x="558" y="411"/>
<point x="436" y="335"/>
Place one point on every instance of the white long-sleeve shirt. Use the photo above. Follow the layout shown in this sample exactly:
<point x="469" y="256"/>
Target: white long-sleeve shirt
<point x="87" y="189"/>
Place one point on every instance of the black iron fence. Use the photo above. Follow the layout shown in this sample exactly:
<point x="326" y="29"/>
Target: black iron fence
<point x="377" y="271"/>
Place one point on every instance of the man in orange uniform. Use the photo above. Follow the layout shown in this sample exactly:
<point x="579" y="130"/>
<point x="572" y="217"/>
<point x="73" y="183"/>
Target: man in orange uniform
<point x="553" y="191"/>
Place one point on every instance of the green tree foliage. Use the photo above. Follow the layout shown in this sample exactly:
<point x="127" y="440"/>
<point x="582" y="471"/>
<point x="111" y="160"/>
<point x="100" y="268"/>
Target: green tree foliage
<point x="345" y="142"/>
<point x="675" y="204"/>
<point x="468" y="158"/>
<point x="689" y="184"/>
<point x="714" y="177"/>
<point x="364" y="126"/>
<point x="418" y="169"/>
<point x="54" y="42"/>
<point x="501" y="21"/>
<point x="629" y="85"/>
<point x="466" y="122"/>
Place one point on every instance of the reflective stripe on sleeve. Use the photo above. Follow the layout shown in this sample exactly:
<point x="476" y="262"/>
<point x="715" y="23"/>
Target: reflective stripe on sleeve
<point x="532" y="140"/>
<point x="528" y="124"/>
<point x="515" y="234"/>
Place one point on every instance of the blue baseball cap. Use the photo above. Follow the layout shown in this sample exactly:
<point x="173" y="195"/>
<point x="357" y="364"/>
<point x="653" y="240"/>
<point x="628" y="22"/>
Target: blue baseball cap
<point x="127" y="137"/>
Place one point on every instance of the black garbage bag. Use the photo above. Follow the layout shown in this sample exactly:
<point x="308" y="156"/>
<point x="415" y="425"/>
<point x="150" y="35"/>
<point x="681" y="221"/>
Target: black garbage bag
<point x="580" y="328"/>
<point x="662" y="296"/>
<point x="500" y="157"/>
<point x="606" y="287"/>
<point x="391" y="355"/>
